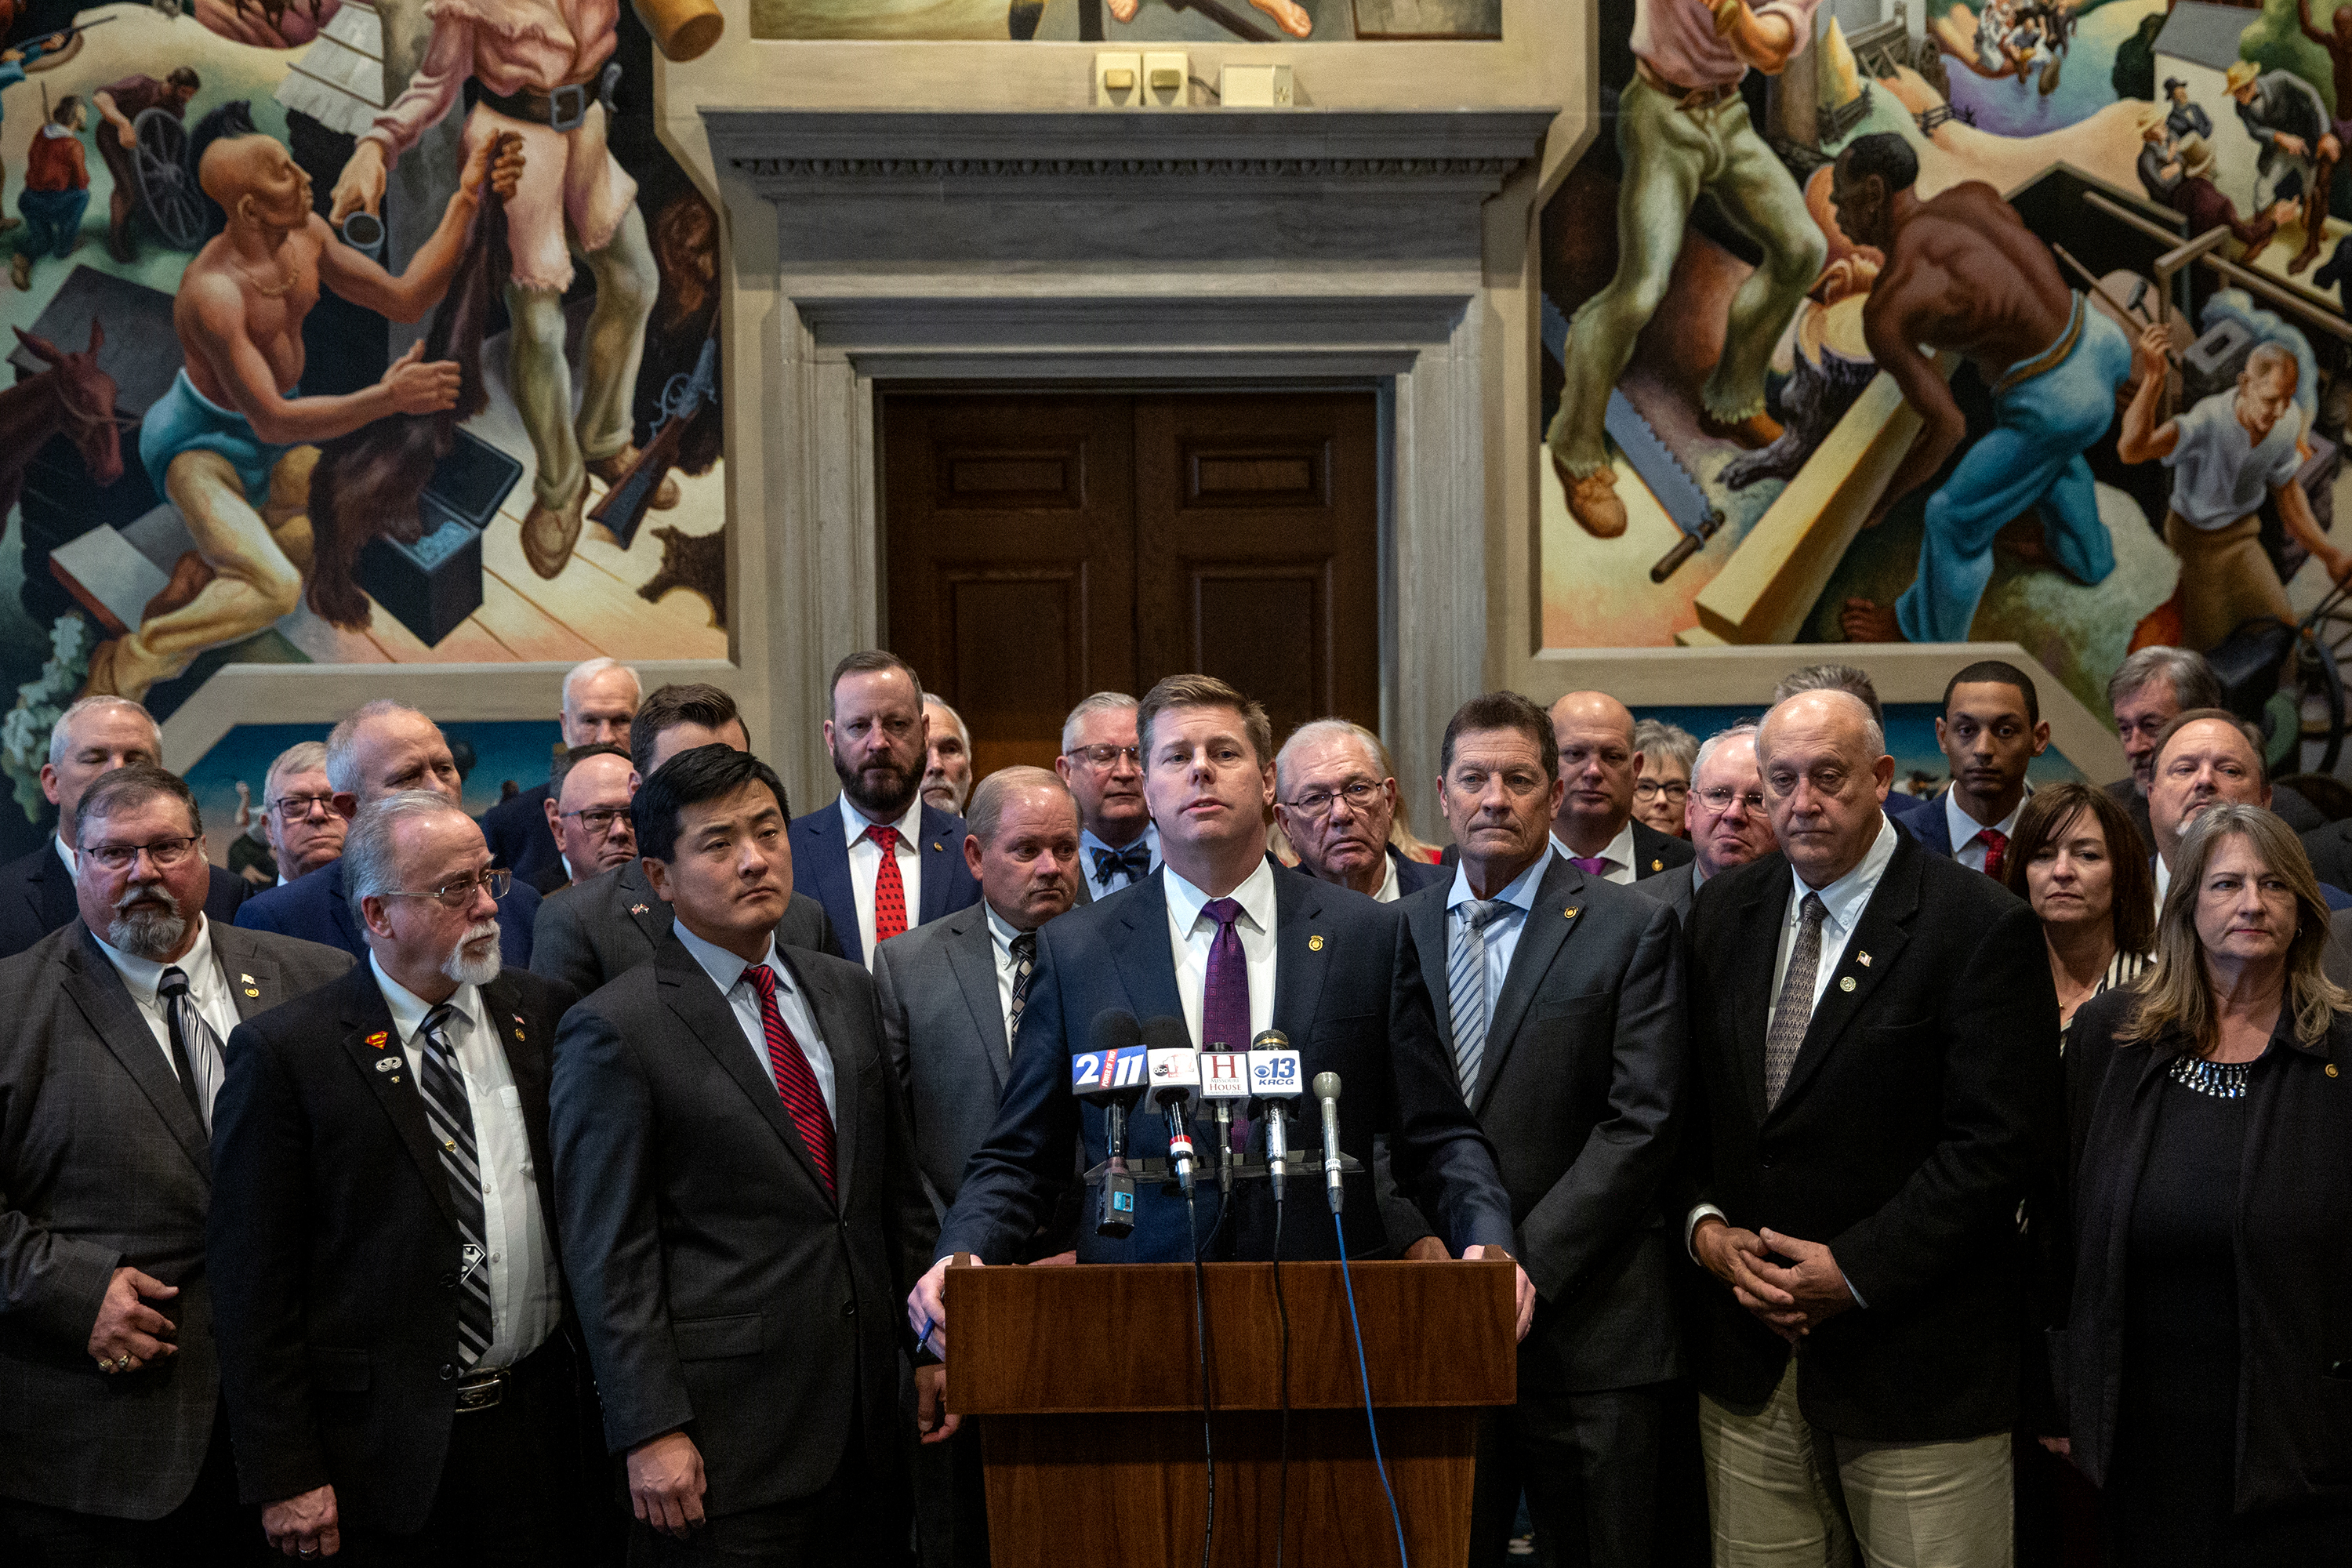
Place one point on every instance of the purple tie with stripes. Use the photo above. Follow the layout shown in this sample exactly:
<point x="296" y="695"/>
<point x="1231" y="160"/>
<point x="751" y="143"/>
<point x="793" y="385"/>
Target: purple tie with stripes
<point x="1225" y="999"/>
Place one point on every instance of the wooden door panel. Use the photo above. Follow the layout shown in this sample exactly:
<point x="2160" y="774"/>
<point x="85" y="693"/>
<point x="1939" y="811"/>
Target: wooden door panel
<point x="1018" y="637"/>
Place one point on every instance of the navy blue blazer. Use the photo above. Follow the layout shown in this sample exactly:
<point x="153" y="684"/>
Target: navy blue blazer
<point x="313" y="907"/>
<point x="821" y="869"/>
<point x="1414" y="875"/>
<point x="1350" y="994"/>
<point x="520" y="839"/>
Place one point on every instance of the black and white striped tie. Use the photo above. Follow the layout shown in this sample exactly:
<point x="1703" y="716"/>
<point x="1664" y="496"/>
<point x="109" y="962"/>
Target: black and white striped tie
<point x="196" y="1049"/>
<point x="451" y="1117"/>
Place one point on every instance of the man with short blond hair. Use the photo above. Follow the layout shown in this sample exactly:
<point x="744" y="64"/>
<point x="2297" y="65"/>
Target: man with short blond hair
<point x="601" y="698"/>
<point x="1335" y="803"/>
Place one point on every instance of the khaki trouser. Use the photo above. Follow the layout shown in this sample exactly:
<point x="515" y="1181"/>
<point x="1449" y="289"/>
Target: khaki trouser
<point x="1784" y="1494"/>
<point x="2225" y="579"/>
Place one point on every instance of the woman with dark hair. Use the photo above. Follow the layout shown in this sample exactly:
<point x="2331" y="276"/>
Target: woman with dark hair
<point x="2076" y="859"/>
<point x="2206" y="1365"/>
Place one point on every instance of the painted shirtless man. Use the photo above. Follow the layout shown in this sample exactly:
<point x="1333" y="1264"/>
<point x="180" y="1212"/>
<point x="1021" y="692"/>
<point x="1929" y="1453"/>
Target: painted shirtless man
<point x="234" y="441"/>
<point x="1964" y="273"/>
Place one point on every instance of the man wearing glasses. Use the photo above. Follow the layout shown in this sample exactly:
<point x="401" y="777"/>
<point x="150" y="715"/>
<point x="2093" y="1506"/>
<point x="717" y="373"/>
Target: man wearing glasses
<point x="589" y="815"/>
<point x="380" y="749"/>
<point x="1335" y="804"/>
<point x="390" y="1311"/>
<point x="1724" y="817"/>
<point x="1118" y="844"/>
<point x="299" y="816"/>
<point x="109" y="1066"/>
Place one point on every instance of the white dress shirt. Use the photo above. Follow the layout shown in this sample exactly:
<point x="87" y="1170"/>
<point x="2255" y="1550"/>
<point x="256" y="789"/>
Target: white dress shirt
<point x="1386" y="893"/>
<point x="526" y="1287"/>
<point x="207" y="988"/>
<point x="1969" y="846"/>
<point x="1502" y="930"/>
<point x="1190" y="933"/>
<point x="65" y="853"/>
<point x="2163" y="882"/>
<point x="866" y="864"/>
<point x="1001" y="934"/>
<point x="1618" y="852"/>
<point x="1089" y="843"/>
<point x="728" y="972"/>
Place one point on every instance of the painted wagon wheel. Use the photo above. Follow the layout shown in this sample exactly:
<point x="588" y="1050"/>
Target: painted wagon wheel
<point x="167" y="191"/>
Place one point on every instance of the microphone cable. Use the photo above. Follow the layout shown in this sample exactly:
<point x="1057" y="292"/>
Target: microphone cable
<point x="1200" y="1338"/>
<point x="1364" y="1380"/>
<point x="1282" y="1469"/>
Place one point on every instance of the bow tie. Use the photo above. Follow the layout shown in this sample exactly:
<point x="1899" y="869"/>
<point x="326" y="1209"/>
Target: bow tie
<point x="1134" y="860"/>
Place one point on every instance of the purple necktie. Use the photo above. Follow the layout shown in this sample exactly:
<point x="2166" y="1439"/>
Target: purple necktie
<point x="1590" y="865"/>
<point x="1225" y="999"/>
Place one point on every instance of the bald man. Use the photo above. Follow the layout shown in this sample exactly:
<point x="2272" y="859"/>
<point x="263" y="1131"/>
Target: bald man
<point x="1598" y="763"/>
<point x="233" y="442"/>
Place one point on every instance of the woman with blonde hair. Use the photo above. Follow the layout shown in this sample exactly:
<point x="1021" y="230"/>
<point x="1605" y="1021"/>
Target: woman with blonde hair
<point x="2205" y="1369"/>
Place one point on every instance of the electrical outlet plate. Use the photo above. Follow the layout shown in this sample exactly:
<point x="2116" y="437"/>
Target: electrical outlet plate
<point x="1167" y="79"/>
<point x="1254" y="86"/>
<point x="1119" y="80"/>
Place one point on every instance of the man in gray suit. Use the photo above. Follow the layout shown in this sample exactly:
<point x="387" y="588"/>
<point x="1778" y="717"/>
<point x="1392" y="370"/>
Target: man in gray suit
<point x="612" y="922"/>
<point x="1559" y="996"/>
<point x="112" y="1444"/>
<point x="952" y="993"/>
<point x="1724" y="817"/>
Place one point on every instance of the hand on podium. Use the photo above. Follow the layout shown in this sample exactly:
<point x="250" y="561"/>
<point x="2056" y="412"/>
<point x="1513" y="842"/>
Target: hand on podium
<point x="932" y="1417"/>
<point x="927" y="1308"/>
<point x="1524" y="1286"/>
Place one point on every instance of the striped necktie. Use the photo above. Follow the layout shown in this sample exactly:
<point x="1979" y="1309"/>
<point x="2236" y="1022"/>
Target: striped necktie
<point x="451" y="1117"/>
<point x="795" y="1079"/>
<point x="1024" y="964"/>
<point x="196" y="1049"/>
<point x="1465" y="986"/>
<point x="1793" y="1014"/>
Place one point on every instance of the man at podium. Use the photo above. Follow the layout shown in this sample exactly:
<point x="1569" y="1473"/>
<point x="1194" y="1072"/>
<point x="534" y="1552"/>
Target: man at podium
<point x="1232" y="944"/>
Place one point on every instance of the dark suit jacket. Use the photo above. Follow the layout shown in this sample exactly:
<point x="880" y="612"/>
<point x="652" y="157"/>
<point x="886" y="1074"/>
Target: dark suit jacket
<point x="721" y="1290"/>
<point x="1414" y="875"/>
<point x="312" y="905"/>
<point x="1349" y="994"/>
<point x="520" y="839"/>
<point x="821" y="869"/>
<point x="1678" y="893"/>
<point x="104" y="1163"/>
<point x="1656" y="852"/>
<point x="37" y="897"/>
<point x="335" y="1245"/>
<point x="1580" y="1092"/>
<point x="1922" y="1105"/>
<point x="2294" y="1273"/>
<point x="612" y="922"/>
<point x="2126" y="795"/>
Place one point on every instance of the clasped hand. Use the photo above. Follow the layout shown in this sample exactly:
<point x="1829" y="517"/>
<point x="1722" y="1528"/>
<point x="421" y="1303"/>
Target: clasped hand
<point x="1790" y="1299"/>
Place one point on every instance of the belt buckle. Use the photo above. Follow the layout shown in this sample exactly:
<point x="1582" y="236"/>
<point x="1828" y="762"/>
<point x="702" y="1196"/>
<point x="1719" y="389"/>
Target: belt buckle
<point x="483" y="1392"/>
<point x="560" y="117"/>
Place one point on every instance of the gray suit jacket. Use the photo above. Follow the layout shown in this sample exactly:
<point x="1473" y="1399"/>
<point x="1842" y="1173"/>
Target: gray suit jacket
<point x="593" y="930"/>
<point x="103" y="1164"/>
<point x="1677" y="889"/>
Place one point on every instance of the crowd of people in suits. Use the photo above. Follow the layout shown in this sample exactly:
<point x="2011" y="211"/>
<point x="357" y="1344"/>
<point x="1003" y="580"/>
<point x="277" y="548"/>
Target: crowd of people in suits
<point x="1952" y="1180"/>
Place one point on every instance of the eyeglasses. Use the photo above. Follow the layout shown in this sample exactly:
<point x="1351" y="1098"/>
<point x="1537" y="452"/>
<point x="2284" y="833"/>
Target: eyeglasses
<point x="1105" y="756"/>
<point x="296" y="807"/>
<point x="1719" y="801"/>
<point x="1358" y="795"/>
<point x="162" y="853"/>
<point x="458" y="894"/>
<point x="601" y="821"/>
<point x="1650" y="789"/>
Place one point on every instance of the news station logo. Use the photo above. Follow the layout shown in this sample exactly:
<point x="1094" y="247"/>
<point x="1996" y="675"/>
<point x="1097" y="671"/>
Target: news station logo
<point x="1171" y="1067"/>
<point x="1225" y="1075"/>
<point x="1274" y="1072"/>
<point x="1096" y="1070"/>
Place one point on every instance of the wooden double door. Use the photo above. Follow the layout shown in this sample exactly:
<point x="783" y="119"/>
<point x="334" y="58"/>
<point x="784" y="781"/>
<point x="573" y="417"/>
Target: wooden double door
<point x="1042" y="547"/>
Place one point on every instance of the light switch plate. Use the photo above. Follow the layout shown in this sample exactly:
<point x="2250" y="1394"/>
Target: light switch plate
<point x="1119" y="80"/>
<point x="1167" y="79"/>
<point x="1254" y="86"/>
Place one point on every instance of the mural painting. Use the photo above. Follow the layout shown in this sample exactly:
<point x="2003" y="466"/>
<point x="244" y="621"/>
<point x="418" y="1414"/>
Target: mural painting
<point x="1998" y="320"/>
<point x="336" y="339"/>
<point x="1132" y="21"/>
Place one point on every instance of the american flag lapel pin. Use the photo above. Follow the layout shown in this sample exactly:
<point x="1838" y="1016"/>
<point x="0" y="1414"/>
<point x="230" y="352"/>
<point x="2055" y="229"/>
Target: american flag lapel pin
<point x="1863" y="959"/>
<point x="639" y="909"/>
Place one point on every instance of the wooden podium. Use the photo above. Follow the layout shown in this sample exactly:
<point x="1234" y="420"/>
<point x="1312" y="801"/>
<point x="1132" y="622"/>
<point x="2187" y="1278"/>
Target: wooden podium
<point x="1086" y="1386"/>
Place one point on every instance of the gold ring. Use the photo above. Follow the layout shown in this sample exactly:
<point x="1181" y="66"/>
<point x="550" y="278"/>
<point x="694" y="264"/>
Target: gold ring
<point x="122" y="1363"/>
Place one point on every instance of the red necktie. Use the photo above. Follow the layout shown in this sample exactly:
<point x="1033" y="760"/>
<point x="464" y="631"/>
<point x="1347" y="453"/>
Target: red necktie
<point x="890" y="892"/>
<point x="1996" y="845"/>
<point x="795" y="1079"/>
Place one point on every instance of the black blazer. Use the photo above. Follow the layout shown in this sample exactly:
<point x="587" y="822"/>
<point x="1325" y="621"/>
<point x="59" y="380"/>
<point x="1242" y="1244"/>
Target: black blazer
<point x="1923" y="1104"/>
<point x="607" y="925"/>
<point x="1655" y="852"/>
<point x="37" y="897"/>
<point x="519" y="837"/>
<point x="335" y="1245"/>
<point x="1349" y="993"/>
<point x="721" y="1290"/>
<point x="1580" y="1092"/>
<point x="2294" y="1253"/>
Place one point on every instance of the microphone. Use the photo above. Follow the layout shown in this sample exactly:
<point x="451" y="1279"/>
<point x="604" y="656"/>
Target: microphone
<point x="1111" y="1074"/>
<point x="1224" y="1078"/>
<point x="1274" y="1080"/>
<point x="1326" y="1089"/>
<point x="1175" y="1074"/>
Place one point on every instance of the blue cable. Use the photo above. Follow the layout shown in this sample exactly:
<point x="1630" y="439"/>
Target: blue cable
<point x="1364" y="1380"/>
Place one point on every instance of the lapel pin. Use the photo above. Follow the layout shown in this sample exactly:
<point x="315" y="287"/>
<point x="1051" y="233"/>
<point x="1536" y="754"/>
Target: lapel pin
<point x="517" y="1035"/>
<point x="1314" y="944"/>
<point x="378" y="1038"/>
<point x="2331" y="1070"/>
<point x="1847" y="983"/>
<point x="386" y="1063"/>
<point x="249" y="991"/>
<point x="937" y="846"/>
<point x="1863" y="959"/>
<point x="1657" y="865"/>
<point x="639" y="909"/>
<point x="246" y="978"/>
<point x="1569" y="913"/>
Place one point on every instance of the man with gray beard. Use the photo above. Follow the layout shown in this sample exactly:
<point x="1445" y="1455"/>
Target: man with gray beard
<point x="109" y="1067"/>
<point x="390" y="1311"/>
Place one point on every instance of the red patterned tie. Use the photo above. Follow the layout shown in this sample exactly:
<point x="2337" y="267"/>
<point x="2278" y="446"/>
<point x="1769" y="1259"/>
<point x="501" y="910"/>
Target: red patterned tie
<point x="1996" y="845"/>
<point x="795" y="1079"/>
<point x="890" y="892"/>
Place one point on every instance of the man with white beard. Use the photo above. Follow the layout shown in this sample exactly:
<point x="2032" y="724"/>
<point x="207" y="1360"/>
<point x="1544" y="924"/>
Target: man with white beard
<point x="388" y="1301"/>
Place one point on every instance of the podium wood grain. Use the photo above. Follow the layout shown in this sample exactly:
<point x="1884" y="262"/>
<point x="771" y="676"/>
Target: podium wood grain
<point x="1086" y="1387"/>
